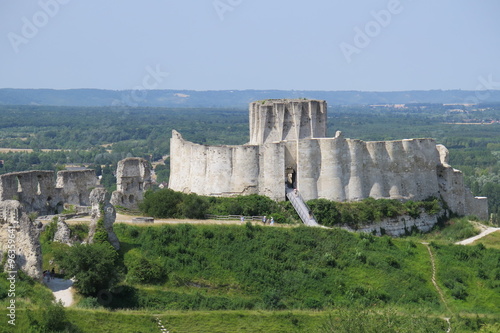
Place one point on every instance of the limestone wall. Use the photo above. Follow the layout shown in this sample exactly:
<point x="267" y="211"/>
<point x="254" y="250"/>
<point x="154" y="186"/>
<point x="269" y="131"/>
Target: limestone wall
<point x="288" y="147"/>
<point x="19" y="239"/>
<point x="398" y="226"/>
<point x="348" y="170"/>
<point x="133" y="178"/>
<point x="282" y="119"/>
<point x="217" y="170"/>
<point x="34" y="189"/>
<point x="452" y="189"/>
<point x="76" y="186"/>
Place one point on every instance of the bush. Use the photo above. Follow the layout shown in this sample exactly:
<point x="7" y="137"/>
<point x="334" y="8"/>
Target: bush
<point x="95" y="267"/>
<point x="143" y="270"/>
<point x="369" y="210"/>
<point x="161" y="204"/>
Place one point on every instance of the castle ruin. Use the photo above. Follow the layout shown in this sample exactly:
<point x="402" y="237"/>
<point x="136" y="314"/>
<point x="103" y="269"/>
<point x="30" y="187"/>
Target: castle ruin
<point x="288" y="148"/>
<point x="133" y="178"/>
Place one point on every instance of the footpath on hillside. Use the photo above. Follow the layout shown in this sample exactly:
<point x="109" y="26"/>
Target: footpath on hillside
<point x="485" y="231"/>
<point x="62" y="290"/>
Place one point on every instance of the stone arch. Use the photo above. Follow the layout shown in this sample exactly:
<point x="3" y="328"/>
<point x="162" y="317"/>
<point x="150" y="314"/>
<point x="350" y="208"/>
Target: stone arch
<point x="131" y="198"/>
<point x="59" y="207"/>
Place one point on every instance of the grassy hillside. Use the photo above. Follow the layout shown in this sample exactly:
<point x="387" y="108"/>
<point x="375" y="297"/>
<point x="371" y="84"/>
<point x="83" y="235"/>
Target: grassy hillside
<point x="251" y="278"/>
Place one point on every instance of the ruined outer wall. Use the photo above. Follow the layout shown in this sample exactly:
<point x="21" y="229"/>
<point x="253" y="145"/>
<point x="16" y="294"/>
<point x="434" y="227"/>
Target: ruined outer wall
<point x="34" y="189"/>
<point x="342" y="169"/>
<point x="226" y="170"/>
<point x="76" y="186"/>
<point x="459" y="199"/>
<point x="278" y="119"/>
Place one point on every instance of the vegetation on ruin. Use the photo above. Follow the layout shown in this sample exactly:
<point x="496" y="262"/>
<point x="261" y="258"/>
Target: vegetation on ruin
<point x="166" y="203"/>
<point x="330" y="213"/>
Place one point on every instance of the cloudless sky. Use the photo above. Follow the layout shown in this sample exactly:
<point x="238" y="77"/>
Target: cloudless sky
<point x="250" y="44"/>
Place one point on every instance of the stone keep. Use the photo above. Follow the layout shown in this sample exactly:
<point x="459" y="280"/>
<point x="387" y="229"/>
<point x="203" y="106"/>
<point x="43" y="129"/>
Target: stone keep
<point x="133" y="178"/>
<point x="288" y="147"/>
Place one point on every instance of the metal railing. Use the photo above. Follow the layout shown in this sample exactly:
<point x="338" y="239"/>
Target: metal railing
<point x="301" y="208"/>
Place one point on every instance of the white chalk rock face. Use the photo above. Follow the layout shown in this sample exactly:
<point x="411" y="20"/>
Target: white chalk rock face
<point x="102" y="210"/>
<point x="19" y="238"/>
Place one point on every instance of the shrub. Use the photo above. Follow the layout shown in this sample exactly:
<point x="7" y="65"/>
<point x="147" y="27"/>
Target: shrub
<point x="142" y="269"/>
<point x="94" y="266"/>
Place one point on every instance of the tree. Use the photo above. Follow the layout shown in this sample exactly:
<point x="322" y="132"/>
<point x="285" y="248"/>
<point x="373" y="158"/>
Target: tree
<point x="94" y="266"/>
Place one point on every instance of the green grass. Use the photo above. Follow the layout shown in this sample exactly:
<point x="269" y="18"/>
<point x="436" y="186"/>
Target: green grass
<point x="353" y="319"/>
<point x="491" y="241"/>
<point x="209" y="267"/>
<point x="250" y="278"/>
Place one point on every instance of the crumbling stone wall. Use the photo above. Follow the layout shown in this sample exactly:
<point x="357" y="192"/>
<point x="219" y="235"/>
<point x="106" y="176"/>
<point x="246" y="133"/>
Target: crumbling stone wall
<point x="22" y="193"/>
<point x="35" y="190"/>
<point x="133" y="178"/>
<point x="103" y="216"/>
<point x="76" y="186"/>
<point x="19" y="240"/>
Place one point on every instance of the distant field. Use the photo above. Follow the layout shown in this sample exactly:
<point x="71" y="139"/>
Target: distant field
<point x="24" y="150"/>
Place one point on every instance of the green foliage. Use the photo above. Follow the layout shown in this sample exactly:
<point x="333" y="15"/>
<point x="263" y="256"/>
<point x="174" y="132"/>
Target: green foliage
<point x="79" y="231"/>
<point x="468" y="274"/>
<point x="49" y="232"/>
<point x="256" y="267"/>
<point x="143" y="270"/>
<point x="369" y="210"/>
<point x="162" y="203"/>
<point x="49" y="318"/>
<point x="166" y="203"/>
<point x="247" y="205"/>
<point x="358" y="319"/>
<point x="451" y="231"/>
<point x="94" y="266"/>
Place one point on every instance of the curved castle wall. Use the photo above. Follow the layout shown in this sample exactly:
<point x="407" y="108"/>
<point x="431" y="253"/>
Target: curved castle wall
<point x="287" y="137"/>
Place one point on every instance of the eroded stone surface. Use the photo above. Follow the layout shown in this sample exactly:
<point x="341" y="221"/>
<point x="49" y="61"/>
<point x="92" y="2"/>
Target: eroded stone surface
<point x="19" y="238"/>
<point x="63" y="232"/>
<point x="133" y="178"/>
<point x="102" y="210"/>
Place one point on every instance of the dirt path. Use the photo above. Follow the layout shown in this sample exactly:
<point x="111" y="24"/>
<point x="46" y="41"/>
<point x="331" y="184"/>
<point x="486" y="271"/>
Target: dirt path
<point x="436" y="286"/>
<point x="122" y="218"/>
<point x="62" y="290"/>
<point x="433" y="278"/>
<point x="485" y="232"/>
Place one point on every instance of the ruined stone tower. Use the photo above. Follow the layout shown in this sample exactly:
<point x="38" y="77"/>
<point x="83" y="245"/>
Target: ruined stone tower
<point x="133" y="178"/>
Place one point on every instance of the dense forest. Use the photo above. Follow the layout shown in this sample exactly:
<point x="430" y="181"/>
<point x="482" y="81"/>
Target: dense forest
<point x="55" y="137"/>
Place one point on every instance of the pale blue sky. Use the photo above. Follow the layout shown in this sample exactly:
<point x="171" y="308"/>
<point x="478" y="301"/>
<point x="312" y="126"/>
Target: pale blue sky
<point x="250" y="44"/>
